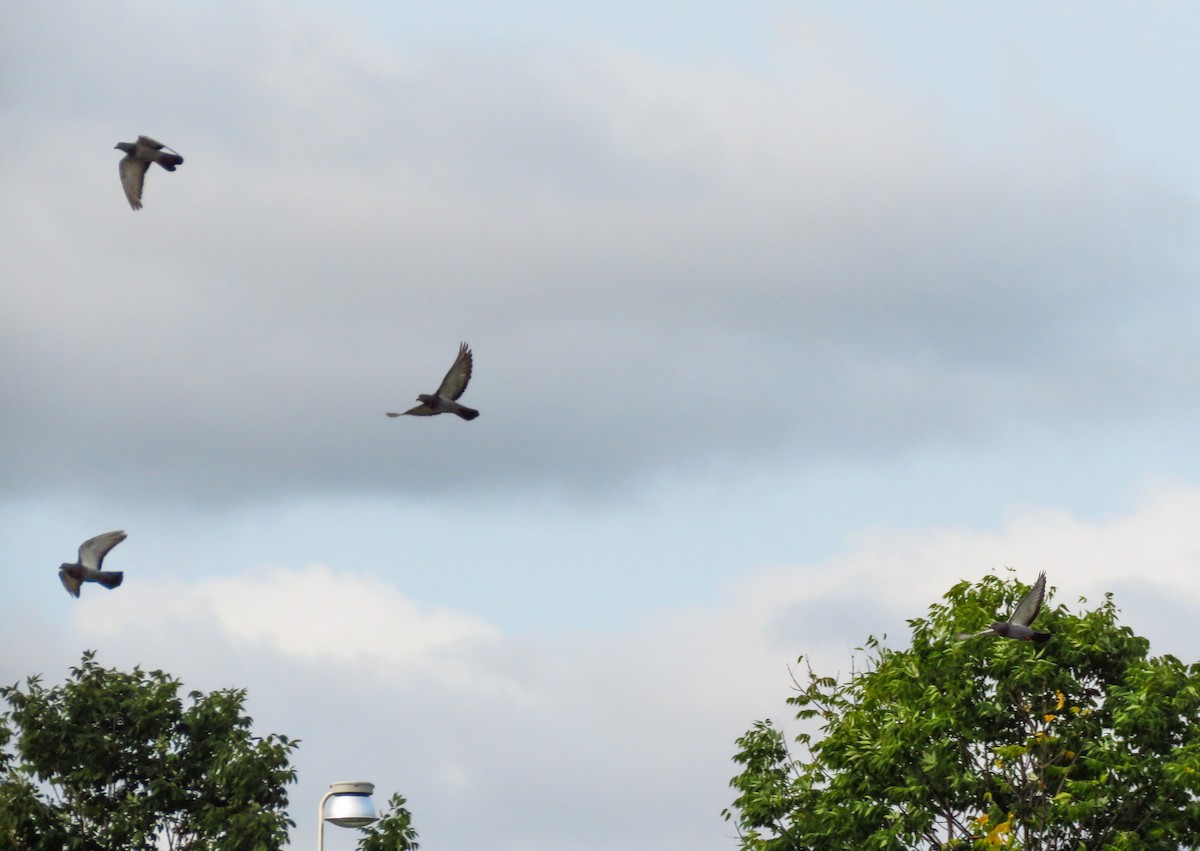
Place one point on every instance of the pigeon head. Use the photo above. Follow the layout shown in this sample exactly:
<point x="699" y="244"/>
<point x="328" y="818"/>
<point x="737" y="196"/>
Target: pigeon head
<point x="75" y="571"/>
<point x="127" y="147"/>
<point x="426" y="398"/>
<point x="1001" y="628"/>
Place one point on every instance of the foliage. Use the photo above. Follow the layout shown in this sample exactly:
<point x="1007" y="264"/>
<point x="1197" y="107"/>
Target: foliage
<point x="393" y="832"/>
<point x="113" y="760"/>
<point x="1083" y="742"/>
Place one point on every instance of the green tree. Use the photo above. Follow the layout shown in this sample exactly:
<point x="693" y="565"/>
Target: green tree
<point x="1085" y="742"/>
<point x="113" y="761"/>
<point x="393" y="832"/>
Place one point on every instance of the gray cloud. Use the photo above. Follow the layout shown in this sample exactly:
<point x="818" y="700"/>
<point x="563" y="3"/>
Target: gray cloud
<point x="770" y="283"/>
<point x="655" y="267"/>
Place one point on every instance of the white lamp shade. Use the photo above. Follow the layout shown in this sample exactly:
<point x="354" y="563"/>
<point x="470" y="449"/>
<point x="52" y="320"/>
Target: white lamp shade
<point x="351" y="807"/>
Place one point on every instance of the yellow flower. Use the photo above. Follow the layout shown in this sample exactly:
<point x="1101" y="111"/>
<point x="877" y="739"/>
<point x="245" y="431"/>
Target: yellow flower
<point x="1050" y="718"/>
<point x="1062" y="699"/>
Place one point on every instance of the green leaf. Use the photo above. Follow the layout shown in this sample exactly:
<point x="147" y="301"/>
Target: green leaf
<point x="115" y="760"/>
<point x="1083" y="742"/>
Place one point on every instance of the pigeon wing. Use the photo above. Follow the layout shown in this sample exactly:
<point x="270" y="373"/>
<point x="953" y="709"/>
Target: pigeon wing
<point x="964" y="635"/>
<point x="69" y="582"/>
<point x="421" y="410"/>
<point x="93" y="550"/>
<point x="1031" y="603"/>
<point x="459" y="375"/>
<point x="154" y="144"/>
<point x="133" y="175"/>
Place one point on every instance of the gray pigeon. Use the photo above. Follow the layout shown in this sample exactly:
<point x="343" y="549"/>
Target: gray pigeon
<point x="444" y="401"/>
<point x="87" y="569"/>
<point x="138" y="156"/>
<point x="1017" y="626"/>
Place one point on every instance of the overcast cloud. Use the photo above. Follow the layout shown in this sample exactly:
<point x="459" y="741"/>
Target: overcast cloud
<point x="784" y="320"/>
<point x="654" y="265"/>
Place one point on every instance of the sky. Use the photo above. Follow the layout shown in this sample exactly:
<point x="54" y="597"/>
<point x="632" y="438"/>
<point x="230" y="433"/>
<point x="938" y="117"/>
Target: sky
<point x="786" y="318"/>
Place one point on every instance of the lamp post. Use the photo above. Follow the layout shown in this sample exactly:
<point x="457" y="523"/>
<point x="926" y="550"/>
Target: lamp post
<point x="352" y="807"/>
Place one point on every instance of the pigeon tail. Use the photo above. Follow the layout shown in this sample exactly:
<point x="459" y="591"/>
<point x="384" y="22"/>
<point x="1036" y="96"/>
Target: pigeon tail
<point x="1040" y="637"/>
<point x="113" y="578"/>
<point x="169" y="161"/>
<point x="467" y="413"/>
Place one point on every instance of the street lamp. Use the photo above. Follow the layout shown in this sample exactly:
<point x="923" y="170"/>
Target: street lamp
<point x="352" y="807"/>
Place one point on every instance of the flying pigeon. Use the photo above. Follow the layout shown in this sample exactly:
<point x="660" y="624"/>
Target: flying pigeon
<point x="453" y="385"/>
<point x="138" y="156"/>
<point x="87" y="569"/>
<point x="1017" y="626"/>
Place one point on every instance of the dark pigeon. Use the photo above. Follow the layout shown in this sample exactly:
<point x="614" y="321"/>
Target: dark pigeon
<point x="445" y="400"/>
<point x="1023" y="615"/>
<point x="138" y="156"/>
<point x="87" y="569"/>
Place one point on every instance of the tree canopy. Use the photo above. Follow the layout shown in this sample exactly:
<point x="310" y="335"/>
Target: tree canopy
<point x="111" y="760"/>
<point x="393" y="831"/>
<point x="1085" y="741"/>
